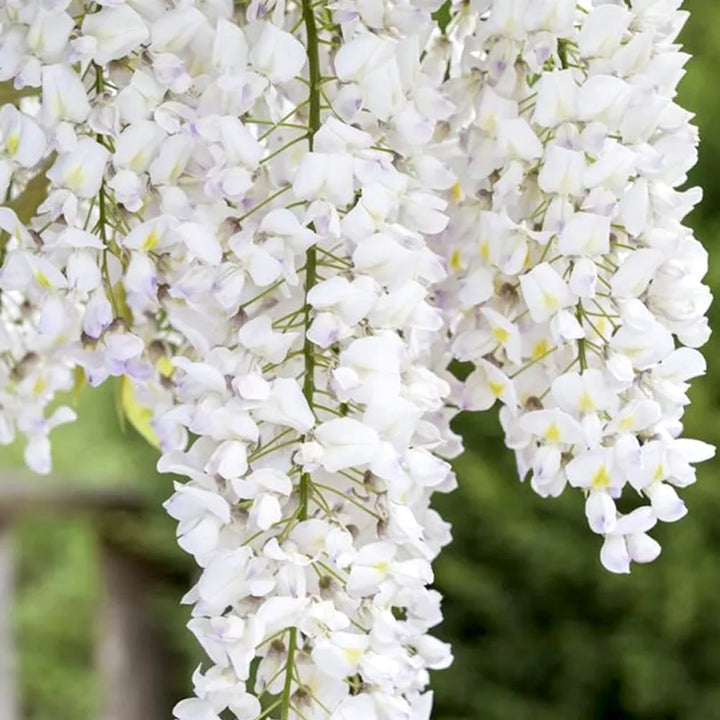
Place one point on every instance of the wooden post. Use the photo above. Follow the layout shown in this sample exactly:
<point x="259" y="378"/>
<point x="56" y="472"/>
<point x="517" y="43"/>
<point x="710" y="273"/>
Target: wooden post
<point x="129" y="645"/>
<point x="130" y="658"/>
<point x="9" y="696"/>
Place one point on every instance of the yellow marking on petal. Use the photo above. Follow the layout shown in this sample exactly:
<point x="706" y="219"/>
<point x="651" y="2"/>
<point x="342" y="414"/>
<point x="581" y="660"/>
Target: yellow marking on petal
<point x="541" y="347"/>
<point x="382" y="567"/>
<point x="497" y="388"/>
<point x="485" y="250"/>
<point x="550" y="301"/>
<point x="490" y="125"/>
<point x="456" y="192"/>
<point x="165" y="366"/>
<point x="175" y="172"/>
<point x="456" y="261"/>
<point x="42" y="279"/>
<point x="353" y="655"/>
<point x="12" y="144"/>
<point x="60" y="107"/>
<point x="151" y="240"/>
<point x="659" y="472"/>
<point x="137" y="162"/>
<point x="39" y="44"/>
<point x="565" y="185"/>
<point x="601" y="479"/>
<point x="197" y="67"/>
<point x="39" y="386"/>
<point x="75" y="177"/>
<point x="586" y="403"/>
<point x="552" y="434"/>
<point x="501" y="334"/>
<point x="626" y="424"/>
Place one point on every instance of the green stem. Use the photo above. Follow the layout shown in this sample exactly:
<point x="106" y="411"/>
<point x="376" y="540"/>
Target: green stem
<point x="530" y="364"/>
<point x="268" y="711"/>
<point x="102" y="222"/>
<point x="287" y="690"/>
<point x="282" y="120"/>
<point x="311" y="277"/>
<point x="563" y="52"/>
<point x="262" y="204"/>
<point x="581" y="343"/>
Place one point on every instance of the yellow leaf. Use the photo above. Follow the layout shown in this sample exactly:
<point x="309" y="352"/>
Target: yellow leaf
<point x="138" y="416"/>
<point x="79" y="382"/>
<point x="119" y="297"/>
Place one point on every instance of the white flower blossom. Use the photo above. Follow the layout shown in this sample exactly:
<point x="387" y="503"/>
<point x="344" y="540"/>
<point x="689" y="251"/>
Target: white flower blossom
<point x="566" y="152"/>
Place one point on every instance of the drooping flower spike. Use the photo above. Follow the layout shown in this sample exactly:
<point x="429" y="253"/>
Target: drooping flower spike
<point x="575" y="289"/>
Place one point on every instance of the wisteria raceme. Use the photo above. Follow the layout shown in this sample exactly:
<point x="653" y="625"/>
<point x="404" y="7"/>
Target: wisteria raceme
<point x="575" y="289"/>
<point x="236" y="227"/>
<point x="276" y="224"/>
<point x="310" y="480"/>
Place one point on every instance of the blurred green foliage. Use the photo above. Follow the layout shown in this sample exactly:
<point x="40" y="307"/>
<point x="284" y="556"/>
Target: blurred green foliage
<point x="540" y="630"/>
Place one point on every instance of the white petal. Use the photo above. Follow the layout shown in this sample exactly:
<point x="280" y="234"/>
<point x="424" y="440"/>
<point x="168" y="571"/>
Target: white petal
<point x="266" y="511"/>
<point x="614" y="554"/>
<point x="286" y="405"/>
<point x="665" y="502"/>
<point x="229" y="460"/>
<point x="643" y="548"/>
<point x="346" y="443"/>
<point x="276" y="53"/>
<point x="600" y="512"/>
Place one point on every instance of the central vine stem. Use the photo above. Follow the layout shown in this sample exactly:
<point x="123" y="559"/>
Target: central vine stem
<point x="313" y="55"/>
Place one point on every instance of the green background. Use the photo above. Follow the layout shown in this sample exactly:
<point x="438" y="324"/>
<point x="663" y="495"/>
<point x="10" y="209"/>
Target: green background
<point x="540" y="630"/>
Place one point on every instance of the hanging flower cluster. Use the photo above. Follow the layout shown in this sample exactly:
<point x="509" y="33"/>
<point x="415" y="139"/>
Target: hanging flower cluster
<point x="276" y="223"/>
<point x="576" y="290"/>
<point x="235" y="226"/>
